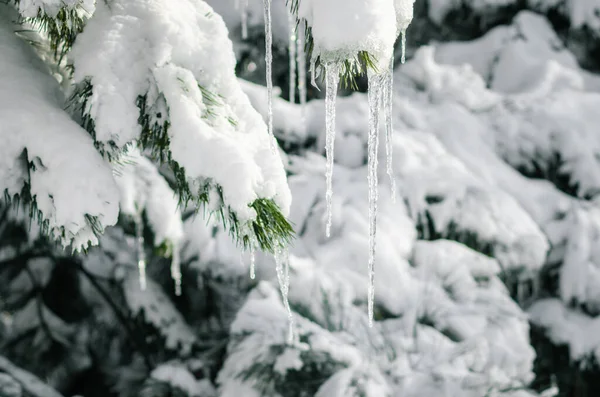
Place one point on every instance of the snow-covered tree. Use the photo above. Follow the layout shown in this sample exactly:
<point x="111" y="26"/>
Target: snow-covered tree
<point x="486" y="216"/>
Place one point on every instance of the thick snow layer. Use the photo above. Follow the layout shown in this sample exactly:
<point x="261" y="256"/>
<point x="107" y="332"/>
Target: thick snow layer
<point x="170" y="52"/>
<point x="143" y="188"/>
<point x="31" y="8"/>
<point x="343" y="28"/>
<point x="70" y="180"/>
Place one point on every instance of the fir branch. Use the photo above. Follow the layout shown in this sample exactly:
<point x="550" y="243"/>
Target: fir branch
<point x="352" y="67"/>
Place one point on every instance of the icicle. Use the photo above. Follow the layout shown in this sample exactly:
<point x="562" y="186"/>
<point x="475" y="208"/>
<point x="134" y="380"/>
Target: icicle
<point x="301" y="69"/>
<point x="252" y="263"/>
<point x="176" y="269"/>
<point x="139" y="246"/>
<point x="269" y="67"/>
<point x="282" y="267"/>
<point x="332" y="79"/>
<point x="388" y="107"/>
<point x="376" y="85"/>
<point x="292" y="49"/>
<point x="403" y="45"/>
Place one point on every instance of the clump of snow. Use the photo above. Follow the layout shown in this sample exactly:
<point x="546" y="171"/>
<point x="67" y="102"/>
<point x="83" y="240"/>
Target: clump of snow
<point x="177" y="375"/>
<point x="226" y="141"/>
<point x="159" y="311"/>
<point x="70" y="180"/>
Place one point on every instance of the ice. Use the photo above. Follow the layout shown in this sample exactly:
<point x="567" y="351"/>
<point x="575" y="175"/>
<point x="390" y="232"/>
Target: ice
<point x="388" y="102"/>
<point x="292" y="48"/>
<point x="403" y="46"/>
<point x="282" y="267"/>
<point x="332" y="78"/>
<point x="176" y="269"/>
<point x="139" y="249"/>
<point x="269" y="68"/>
<point x="377" y="86"/>
<point x="252" y="263"/>
<point x="301" y="53"/>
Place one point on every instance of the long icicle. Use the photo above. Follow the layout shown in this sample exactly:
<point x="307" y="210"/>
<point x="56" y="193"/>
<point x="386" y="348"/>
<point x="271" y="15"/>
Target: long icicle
<point x="139" y="247"/>
<point x="282" y="268"/>
<point x="332" y="79"/>
<point x="376" y="83"/>
<point x="301" y="68"/>
<point x="389" y="128"/>
<point x="269" y="67"/>
<point x="292" y="50"/>
<point x="176" y="269"/>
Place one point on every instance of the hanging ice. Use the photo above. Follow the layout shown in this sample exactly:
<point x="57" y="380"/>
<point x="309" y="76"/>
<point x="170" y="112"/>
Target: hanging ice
<point x="403" y="45"/>
<point x="377" y="83"/>
<point x="252" y="263"/>
<point x="139" y="247"/>
<point x="313" y="72"/>
<point x="282" y="267"/>
<point x="269" y="67"/>
<point x="292" y="50"/>
<point x="301" y="54"/>
<point x="332" y="79"/>
<point x="388" y="107"/>
<point x="176" y="269"/>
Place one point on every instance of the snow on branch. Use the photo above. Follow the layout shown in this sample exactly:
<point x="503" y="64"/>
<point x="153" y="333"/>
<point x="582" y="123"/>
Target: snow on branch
<point x="46" y="159"/>
<point x="162" y="73"/>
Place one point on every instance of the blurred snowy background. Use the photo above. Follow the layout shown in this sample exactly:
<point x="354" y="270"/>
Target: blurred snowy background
<point x="488" y="264"/>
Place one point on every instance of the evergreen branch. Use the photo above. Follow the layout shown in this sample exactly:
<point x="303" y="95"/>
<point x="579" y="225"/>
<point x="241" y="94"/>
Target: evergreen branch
<point x="62" y="28"/>
<point x="119" y="315"/>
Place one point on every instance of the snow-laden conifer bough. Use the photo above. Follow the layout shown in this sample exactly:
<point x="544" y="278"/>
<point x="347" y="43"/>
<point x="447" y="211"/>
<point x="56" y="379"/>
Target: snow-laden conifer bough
<point x="366" y="45"/>
<point x="157" y="74"/>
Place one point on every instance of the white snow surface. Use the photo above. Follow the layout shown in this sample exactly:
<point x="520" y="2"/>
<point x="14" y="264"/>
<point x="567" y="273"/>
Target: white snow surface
<point x="167" y="51"/>
<point x="70" y="180"/>
<point x="343" y="28"/>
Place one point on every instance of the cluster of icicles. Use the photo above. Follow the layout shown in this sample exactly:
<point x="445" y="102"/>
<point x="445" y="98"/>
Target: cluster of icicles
<point x="379" y="97"/>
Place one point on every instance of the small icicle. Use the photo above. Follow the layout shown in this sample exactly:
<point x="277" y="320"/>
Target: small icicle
<point x="376" y="84"/>
<point x="292" y="49"/>
<point x="140" y="252"/>
<point x="388" y="107"/>
<point x="403" y="45"/>
<point x="332" y="79"/>
<point x="176" y="269"/>
<point x="282" y="267"/>
<point x="244" y="14"/>
<point x="252" y="263"/>
<point x="269" y="67"/>
<point x="301" y="69"/>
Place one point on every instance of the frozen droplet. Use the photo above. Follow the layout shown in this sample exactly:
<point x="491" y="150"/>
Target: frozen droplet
<point x="332" y="79"/>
